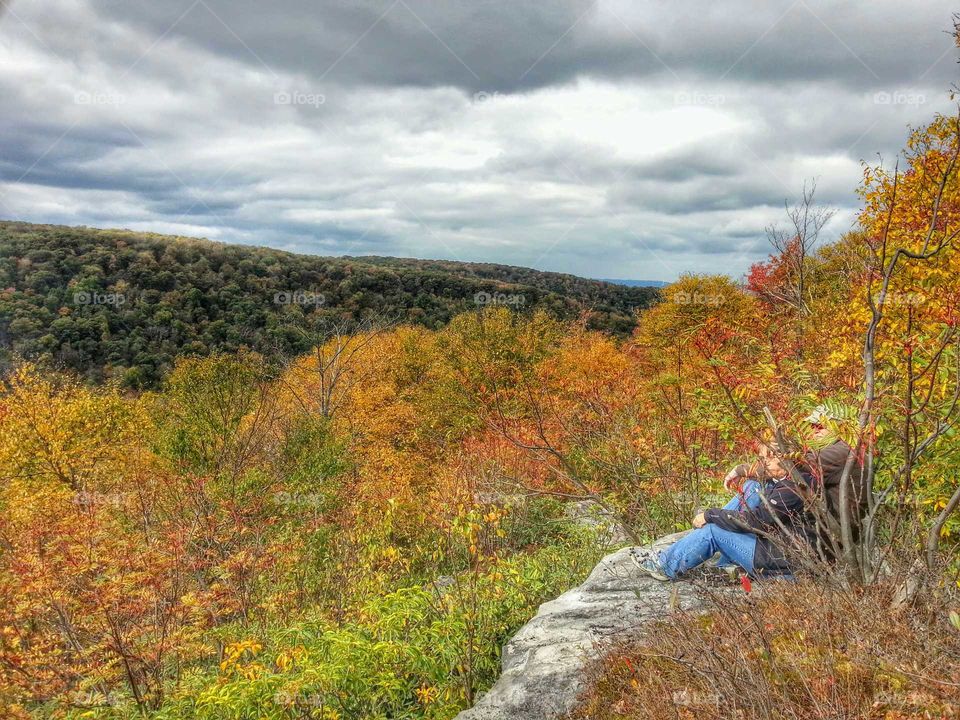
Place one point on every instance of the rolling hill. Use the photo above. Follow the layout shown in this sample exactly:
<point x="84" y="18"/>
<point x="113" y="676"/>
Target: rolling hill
<point x="123" y="304"/>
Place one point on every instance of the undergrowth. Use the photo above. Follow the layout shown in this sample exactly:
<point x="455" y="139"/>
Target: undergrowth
<point x="788" y="650"/>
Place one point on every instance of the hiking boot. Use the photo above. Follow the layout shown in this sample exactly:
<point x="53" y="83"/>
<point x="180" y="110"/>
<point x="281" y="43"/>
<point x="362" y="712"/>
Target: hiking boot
<point x="650" y="566"/>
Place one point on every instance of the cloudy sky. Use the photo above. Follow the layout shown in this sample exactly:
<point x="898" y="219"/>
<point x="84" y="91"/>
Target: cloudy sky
<point x="615" y="138"/>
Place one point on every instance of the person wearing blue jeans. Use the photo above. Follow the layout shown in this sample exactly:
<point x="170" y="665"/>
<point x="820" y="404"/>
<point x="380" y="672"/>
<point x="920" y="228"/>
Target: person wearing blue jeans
<point x="745" y="531"/>
<point x="735" y="548"/>
<point x="703" y="543"/>
<point x="748" y="497"/>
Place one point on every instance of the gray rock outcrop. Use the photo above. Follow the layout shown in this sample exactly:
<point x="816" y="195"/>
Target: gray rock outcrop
<point x="544" y="663"/>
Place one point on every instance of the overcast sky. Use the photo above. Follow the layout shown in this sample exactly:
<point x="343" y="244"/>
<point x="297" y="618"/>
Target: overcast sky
<point x="617" y="138"/>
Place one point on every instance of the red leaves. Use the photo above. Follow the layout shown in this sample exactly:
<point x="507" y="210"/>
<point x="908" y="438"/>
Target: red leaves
<point x="746" y="584"/>
<point x="769" y="280"/>
<point x="760" y="278"/>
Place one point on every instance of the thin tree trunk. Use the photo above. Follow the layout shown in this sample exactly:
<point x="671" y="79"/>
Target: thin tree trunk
<point x="933" y="538"/>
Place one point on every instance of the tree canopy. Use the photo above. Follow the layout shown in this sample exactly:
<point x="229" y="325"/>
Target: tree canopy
<point x="125" y="305"/>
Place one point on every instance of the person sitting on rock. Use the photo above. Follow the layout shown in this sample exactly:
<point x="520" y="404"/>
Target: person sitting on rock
<point x="756" y="539"/>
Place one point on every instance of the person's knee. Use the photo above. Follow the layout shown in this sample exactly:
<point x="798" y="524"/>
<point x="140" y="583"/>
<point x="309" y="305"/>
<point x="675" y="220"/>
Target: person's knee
<point x="711" y="532"/>
<point x="750" y="486"/>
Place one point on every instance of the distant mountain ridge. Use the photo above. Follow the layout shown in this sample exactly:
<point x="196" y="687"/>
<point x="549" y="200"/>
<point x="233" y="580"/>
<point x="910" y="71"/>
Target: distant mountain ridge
<point x="636" y="283"/>
<point x="123" y="304"/>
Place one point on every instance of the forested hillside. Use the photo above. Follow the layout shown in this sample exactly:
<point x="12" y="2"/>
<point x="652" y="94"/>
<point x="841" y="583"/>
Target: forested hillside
<point x="121" y="304"/>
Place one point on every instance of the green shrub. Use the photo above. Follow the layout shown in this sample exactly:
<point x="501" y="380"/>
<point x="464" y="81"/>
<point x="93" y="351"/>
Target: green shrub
<point x="419" y="652"/>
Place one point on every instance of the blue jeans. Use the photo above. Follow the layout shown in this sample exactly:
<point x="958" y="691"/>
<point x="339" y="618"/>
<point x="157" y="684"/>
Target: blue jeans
<point x="701" y="544"/>
<point x="748" y="497"/>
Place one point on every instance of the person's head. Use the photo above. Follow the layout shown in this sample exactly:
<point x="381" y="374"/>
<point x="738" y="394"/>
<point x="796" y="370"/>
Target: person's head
<point x="817" y="421"/>
<point x="771" y="462"/>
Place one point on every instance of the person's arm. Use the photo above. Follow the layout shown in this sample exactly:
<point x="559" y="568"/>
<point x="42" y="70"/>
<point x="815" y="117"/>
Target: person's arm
<point x="734" y="479"/>
<point x="782" y="501"/>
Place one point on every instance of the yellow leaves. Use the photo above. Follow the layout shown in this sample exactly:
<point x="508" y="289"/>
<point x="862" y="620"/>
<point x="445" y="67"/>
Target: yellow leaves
<point x="286" y="659"/>
<point x="910" y="211"/>
<point x="236" y="650"/>
<point x="56" y="430"/>
<point x="426" y="694"/>
<point x="251" y="671"/>
<point x="10" y="636"/>
<point x="283" y="662"/>
<point x="236" y="653"/>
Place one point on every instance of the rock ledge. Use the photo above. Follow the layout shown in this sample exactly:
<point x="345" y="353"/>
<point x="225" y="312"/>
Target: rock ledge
<point x="543" y="665"/>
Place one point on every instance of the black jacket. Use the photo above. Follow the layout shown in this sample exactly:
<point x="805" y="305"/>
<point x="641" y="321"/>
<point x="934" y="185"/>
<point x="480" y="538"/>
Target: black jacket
<point x="782" y="523"/>
<point x="825" y="466"/>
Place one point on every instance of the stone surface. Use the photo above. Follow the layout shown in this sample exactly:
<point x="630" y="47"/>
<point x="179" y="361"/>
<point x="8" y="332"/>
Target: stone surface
<point x="543" y="665"/>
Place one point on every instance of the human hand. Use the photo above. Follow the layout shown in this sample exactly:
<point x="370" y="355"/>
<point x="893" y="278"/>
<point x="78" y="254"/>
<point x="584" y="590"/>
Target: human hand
<point x="732" y="481"/>
<point x="700" y="520"/>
